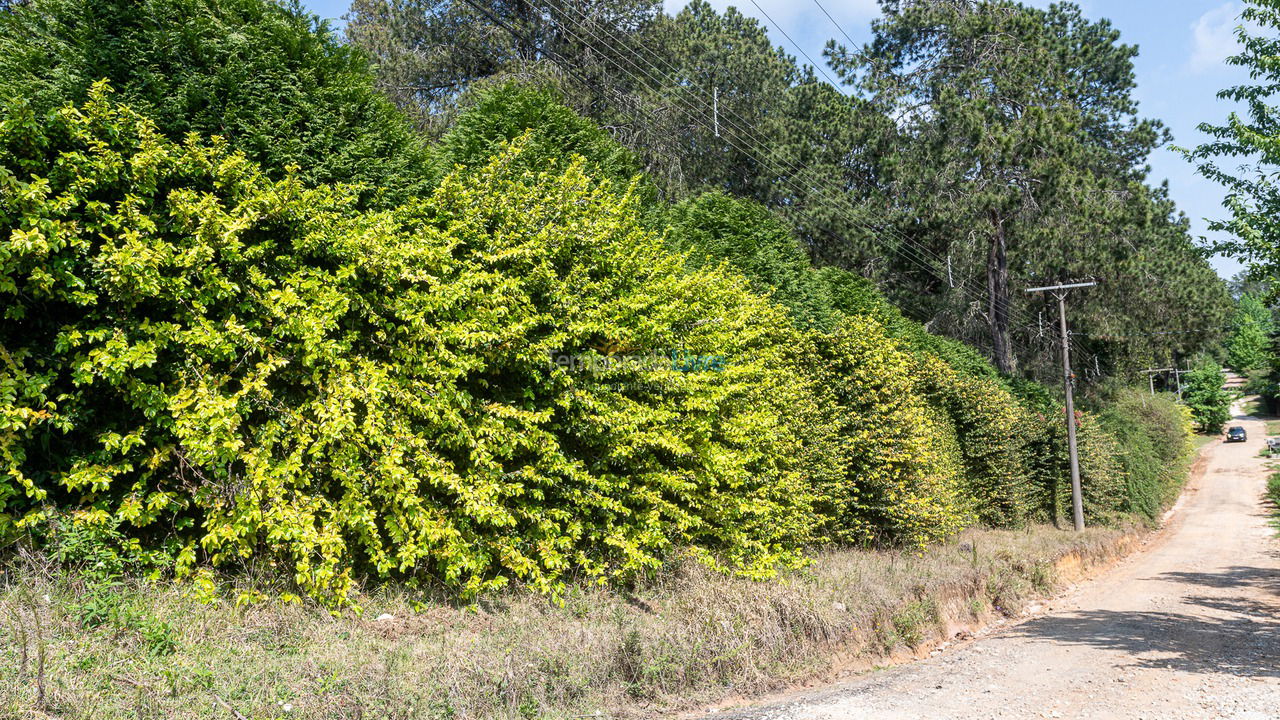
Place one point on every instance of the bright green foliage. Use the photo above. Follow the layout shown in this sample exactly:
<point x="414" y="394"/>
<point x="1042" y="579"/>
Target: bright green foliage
<point x="1152" y="435"/>
<point x="1250" y="143"/>
<point x="1032" y="151"/>
<point x="714" y="227"/>
<point x="1250" y="340"/>
<point x="213" y="362"/>
<point x="552" y="132"/>
<point x="1044" y="443"/>
<point x="1103" y="483"/>
<point x="1247" y="346"/>
<point x="1103" y="479"/>
<point x="191" y="345"/>
<point x="274" y="82"/>
<point x="902" y="479"/>
<point x="988" y="424"/>
<point x="1202" y="392"/>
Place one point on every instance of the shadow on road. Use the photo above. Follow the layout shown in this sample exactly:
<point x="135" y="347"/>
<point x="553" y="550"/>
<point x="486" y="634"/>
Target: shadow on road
<point x="1239" y="576"/>
<point x="1238" y="636"/>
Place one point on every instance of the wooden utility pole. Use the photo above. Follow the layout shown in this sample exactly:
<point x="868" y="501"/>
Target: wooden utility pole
<point x="1060" y="292"/>
<point x="1177" y="378"/>
<point x="1151" y="376"/>
<point x="715" y="108"/>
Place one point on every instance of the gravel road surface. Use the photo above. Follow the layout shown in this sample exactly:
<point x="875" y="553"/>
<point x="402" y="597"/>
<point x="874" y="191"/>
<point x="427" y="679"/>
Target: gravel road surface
<point x="1188" y="628"/>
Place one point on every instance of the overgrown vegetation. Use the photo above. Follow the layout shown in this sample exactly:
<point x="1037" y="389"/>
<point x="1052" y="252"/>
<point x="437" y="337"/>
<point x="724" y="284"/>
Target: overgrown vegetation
<point x="273" y="362"/>
<point x="265" y="76"/>
<point x="532" y="373"/>
<point x="687" y="638"/>
<point x="1153" y="440"/>
<point x="952" y="211"/>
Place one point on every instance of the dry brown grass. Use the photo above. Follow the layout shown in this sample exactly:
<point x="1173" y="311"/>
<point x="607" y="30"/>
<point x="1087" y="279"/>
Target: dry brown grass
<point x="688" y="638"/>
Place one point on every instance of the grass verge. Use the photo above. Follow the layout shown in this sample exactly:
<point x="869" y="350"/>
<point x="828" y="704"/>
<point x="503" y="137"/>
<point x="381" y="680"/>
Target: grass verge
<point x="690" y="637"/>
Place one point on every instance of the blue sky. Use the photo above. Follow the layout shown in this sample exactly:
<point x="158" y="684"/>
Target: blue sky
<point x="1181" y="43"/>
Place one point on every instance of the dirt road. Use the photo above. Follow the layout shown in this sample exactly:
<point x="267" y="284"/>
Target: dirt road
<point x="1190" y="628"/>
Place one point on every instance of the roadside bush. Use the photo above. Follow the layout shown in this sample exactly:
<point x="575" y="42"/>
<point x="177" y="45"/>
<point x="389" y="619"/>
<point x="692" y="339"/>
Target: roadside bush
<point x="497" y="113"/>
<point x="1048" y="474"/>
<point x="256" y="368"/>
<point x="989" y="426"/>
<point x="902" y="475"/>
<point x="714" y="227"/>
<point x="1103" y="482"/>
<point x="1153" y="438"/>
<point x="1103" y="477"/>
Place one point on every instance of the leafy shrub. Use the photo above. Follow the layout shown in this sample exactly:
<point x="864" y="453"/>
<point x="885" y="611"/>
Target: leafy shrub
<point x="191" y="345"/>
<point x="1152" y="434"/>
<point x="1103" y="476"/>
<point x="1103" y="483"/>
<point x="902" y="478"/>
<point x="1043" y="441"/>
<point x="496" y="114"/>
<point x="1202" y="391"/>
<point x="714" y="227"/>
<point x="989" y="427"/>
<point x="267" y="77"/>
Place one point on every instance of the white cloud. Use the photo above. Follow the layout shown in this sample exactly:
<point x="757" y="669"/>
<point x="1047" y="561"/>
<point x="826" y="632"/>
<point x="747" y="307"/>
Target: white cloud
<point x="1213" y="37"/>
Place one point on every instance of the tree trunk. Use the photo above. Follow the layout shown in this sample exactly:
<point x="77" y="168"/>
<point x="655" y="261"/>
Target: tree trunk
<point x="998" y="299"/>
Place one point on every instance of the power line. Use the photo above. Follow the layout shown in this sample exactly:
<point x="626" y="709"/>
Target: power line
<point x="833" y="22"/>
<point x="908" y="250"/>
<point x="815" y="65"/>
<point x="1060" y="292"/>
<point x="917" y="254"/>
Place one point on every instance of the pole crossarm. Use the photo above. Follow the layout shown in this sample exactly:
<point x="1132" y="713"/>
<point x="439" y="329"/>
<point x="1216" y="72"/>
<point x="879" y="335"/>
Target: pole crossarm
<point x="1067" y="286"/>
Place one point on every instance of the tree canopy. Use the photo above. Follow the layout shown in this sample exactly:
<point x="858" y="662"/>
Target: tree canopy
<point x="272" y="80"/>
<point x="1252" y="139"/>
<point x="981" y="148"/>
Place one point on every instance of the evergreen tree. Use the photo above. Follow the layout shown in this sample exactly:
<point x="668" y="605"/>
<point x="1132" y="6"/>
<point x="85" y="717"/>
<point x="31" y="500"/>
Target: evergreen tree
<point x="1018" y="160"/>
<point x="272" y="80"/>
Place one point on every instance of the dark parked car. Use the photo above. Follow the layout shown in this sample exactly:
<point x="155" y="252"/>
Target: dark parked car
<point x="1235" y="433"/>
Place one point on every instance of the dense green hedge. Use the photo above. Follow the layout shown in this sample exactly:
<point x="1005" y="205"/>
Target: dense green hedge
<point x="1153" y="438"/>
<point x="514" y="377"/>
<point x="191" y="343"/>
<point x="901" y="477"/>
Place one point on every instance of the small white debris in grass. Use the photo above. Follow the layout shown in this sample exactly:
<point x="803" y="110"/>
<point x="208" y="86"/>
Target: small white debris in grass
<point x="385" y="617"/>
